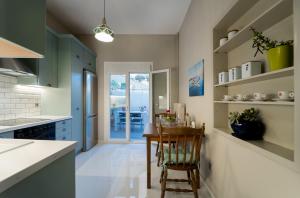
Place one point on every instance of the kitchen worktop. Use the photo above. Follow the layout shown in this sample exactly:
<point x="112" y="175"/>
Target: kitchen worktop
<point x="19" y="163"/>
<point x="48" y="119"/>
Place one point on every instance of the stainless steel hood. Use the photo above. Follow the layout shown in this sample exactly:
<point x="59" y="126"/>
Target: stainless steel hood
<point x="14" y="67"/>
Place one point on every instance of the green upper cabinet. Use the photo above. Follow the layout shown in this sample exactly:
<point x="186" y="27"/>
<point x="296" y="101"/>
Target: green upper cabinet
<point x="22" y="27"/>
<point x="47" y="67"/>
<point x="89" y="61"/>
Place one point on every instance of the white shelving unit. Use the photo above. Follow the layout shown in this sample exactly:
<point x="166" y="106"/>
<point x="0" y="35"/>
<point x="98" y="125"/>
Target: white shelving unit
<point x="262" y="146"/>
<point x="277" y="12"/>
<point x="261" y="77"/>
<point x="284" y="103"/>
<point x="267" y="19"/>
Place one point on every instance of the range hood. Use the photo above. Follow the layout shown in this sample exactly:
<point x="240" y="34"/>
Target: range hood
<point x="14" y="67"/>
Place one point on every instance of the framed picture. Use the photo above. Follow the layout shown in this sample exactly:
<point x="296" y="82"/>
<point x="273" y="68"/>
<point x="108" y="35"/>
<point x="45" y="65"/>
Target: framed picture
<point x="196" y="79"/>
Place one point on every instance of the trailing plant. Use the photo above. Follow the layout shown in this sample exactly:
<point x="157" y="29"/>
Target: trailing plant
<point x="263" y="43"/>
<point x="248" y="115"/>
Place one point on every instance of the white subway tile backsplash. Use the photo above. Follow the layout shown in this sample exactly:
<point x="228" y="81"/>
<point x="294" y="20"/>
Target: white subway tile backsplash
<point x="17" y="102"/>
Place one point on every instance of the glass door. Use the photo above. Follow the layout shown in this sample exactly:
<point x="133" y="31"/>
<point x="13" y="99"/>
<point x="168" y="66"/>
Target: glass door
<point x="118" y="98"/>
<point x="139" y="94"/>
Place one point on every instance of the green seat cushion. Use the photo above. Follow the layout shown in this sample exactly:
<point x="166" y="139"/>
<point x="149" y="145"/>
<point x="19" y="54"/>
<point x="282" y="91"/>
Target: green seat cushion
<point x="173" y="157"/>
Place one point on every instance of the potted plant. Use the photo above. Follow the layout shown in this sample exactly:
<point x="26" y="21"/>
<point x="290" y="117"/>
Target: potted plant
<point x="279" y="54"/>
<point x="247" y="125"/>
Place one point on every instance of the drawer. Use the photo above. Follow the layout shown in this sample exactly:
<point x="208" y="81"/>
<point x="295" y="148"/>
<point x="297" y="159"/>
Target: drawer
<point x="63" y="124"/>
<point x="63" y="133"/>
<point x="9" y="135"/>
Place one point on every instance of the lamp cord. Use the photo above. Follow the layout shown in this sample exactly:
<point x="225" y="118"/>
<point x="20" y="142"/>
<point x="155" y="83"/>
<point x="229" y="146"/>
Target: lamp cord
<point x="104" y="8"/>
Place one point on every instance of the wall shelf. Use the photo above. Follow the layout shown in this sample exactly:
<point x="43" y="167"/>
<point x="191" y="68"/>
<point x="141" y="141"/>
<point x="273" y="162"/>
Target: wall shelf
<point x="283" y="103"/>
<point x="273" y="15"/>
<point x="261" y="77"/>
<point x="262" y="146"/>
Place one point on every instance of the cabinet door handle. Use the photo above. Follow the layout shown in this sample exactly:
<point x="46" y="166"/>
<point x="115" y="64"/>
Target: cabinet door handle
<point x="90" y="64"/>
<point x="64" y="138"/>
<point x="49" y="85"/>
<point x="77" y="108"/>
<point x="64" y="122"/>
<point x="77" y="56"/>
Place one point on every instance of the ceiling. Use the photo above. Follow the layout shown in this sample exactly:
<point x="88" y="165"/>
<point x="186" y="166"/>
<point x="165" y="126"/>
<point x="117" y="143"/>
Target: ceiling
<point x="123" y="16"/>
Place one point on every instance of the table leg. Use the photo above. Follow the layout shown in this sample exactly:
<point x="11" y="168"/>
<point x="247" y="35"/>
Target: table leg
<point x="148" y="163"/>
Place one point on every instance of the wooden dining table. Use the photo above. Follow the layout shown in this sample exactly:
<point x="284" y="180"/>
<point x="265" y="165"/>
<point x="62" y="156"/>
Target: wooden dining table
<point x="151" y="134"/>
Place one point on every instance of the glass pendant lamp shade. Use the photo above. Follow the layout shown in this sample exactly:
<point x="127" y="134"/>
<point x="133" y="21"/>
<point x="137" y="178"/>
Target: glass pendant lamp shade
<point x="104" y="33"/>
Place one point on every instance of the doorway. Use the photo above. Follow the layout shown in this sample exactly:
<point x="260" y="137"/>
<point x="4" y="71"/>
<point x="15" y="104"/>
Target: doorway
<point x="130" y="90"/>
<point x="127" y="105"/>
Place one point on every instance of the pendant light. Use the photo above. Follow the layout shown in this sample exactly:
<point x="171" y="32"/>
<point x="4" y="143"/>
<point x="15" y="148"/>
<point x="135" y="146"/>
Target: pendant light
<point x="103" y="32"/>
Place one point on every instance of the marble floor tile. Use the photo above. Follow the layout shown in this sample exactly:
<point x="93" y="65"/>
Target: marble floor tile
<point x="119" y="171"/>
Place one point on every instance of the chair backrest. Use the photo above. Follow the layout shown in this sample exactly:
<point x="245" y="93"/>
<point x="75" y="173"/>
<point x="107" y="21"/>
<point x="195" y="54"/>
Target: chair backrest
<point x="182" y="141"/>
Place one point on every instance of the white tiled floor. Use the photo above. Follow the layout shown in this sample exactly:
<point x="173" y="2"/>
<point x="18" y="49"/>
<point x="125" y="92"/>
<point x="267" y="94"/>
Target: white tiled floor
<point x="119" y="171"/>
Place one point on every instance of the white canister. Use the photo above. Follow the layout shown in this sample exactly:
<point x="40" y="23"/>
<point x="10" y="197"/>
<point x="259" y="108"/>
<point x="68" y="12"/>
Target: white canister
<point x="223" y="77"/>
<point x="231" y="34"/>
<point x="251" y="68"/>
<point x="223" y="41"/>
<point x="234" y="74"/>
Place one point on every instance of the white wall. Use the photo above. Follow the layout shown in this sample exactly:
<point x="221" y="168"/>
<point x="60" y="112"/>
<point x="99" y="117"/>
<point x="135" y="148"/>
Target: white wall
<point x="18" y="101"/>
<point x="230" y="169"/>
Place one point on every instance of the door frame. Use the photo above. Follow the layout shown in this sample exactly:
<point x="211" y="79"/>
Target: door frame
<point x="119" y="68"/>
<point x="168" y="88"/>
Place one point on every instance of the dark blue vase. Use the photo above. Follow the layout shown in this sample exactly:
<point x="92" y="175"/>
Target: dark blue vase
<point x="248" y="130"/>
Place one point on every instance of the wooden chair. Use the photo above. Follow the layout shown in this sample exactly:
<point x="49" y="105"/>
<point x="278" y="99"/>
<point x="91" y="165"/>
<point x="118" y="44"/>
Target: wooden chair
<point x="185" y="156"/>
<point x="157" y="116"/>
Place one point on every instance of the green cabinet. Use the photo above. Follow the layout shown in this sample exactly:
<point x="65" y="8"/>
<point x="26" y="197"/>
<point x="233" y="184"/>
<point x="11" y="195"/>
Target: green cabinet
<point x="9" y="135"/>
<point x="73" y="59"/>
<point x="47" y="67"/>
<point x="63" y="130"/>
<point x="23" y="23"/>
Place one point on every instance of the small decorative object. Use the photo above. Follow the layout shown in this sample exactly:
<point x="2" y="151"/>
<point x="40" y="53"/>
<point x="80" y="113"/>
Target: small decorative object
<point x="188" y="120"/>
<point x="193" y="124"/>
<point x="251" y="68"/>
<point x="247" y="125"/>
<point x="168" y="119"/>
<point x="223" y="77"/>
<point x="231" y="34"/>
<point x="292" y="95"/>
<point x="223" y="41"/>
<point x="241" y="97"/>
<point x="196" y="79"/>
<point x="261" y="97"/>
<point x="234" y="74"/>
<point x="285" y="96"/>
<point x="227" y="98"/>
<point x="279" y="54"/>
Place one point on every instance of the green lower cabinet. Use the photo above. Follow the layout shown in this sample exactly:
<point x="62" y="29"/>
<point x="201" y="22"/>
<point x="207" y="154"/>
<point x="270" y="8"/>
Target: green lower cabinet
<point x="63" y="130"/>
<point x="9" y="135"/>
<point x="57" y="180"/>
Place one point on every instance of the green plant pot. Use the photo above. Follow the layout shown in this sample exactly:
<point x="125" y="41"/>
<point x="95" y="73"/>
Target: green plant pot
<point x="280" y="57"/>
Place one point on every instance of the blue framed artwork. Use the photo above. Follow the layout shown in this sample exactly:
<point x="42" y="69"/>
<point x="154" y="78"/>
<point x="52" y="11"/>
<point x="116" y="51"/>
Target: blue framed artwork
<point x="196" y="79"/>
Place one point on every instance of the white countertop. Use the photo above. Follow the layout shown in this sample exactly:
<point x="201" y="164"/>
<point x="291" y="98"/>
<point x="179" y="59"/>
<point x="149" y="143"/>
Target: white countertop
<point x="21" y="162"/>
<point x="21" y="126"/>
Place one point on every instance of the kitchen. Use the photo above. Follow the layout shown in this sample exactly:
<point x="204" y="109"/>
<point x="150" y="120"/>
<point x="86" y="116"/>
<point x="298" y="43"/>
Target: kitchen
<point x="46" y="94"/>
<point x="93" y="94"/>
